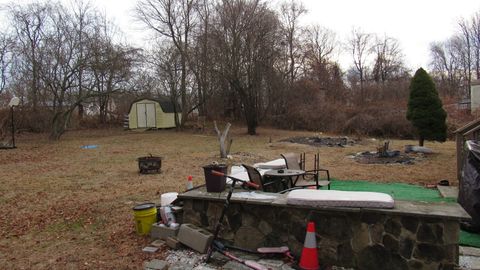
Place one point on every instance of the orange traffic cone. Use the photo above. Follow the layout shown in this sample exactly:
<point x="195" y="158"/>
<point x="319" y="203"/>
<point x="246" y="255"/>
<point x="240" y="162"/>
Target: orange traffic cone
<point x="309" y="258"/>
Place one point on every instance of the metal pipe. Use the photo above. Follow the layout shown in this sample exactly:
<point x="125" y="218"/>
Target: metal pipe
<point x="13" y="129"/>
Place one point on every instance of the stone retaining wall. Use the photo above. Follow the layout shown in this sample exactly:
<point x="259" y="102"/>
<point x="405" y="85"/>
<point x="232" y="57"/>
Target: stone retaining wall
<point x="348" y="237"/>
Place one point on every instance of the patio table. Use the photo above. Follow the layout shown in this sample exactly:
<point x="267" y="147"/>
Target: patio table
<point x="291" y="176"/>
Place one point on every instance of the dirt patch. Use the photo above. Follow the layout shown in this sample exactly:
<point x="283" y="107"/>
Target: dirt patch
<point x="247" y="158"/>
<point x="322" y="141"/>
<point x="374" y="158"/>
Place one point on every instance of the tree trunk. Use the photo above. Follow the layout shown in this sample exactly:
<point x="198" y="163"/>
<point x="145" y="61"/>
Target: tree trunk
<point x="222" y="137"/>
<point x="57" y="127"/>
<point x="252" y="128"/>
<point x="59" y="124"/>
<point x="80" y="111"/>
<point x="421" y="141"/>
<point x="250" y="117"/>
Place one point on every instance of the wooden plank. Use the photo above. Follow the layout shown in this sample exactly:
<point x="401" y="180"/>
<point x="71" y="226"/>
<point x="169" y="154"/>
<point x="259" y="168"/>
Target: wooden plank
<point x="468" y="126"/>
<point x="471" y="131"/>
<point x="460" y="142"/>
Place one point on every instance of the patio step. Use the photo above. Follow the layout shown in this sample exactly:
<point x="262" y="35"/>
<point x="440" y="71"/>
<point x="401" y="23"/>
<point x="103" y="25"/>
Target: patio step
<point x="448" y="191"/>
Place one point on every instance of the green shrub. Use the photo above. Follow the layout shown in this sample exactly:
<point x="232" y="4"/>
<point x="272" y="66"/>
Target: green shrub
<point x="425" y="109"/>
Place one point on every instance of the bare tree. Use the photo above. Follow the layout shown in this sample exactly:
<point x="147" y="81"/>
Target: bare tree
<point x="83" y="15"/>
<point x="59" y="66"/>
<point x="102" y="65"/>
<point x="290" y="13"/>
<point x="109" y="67"/>
<point x="360" y="45"/>
<point x="245" y="35"/>
<point x="388" y="59"/>
<point x="174" y="19"/>
<point x="465" y="52"/>
<point x="6" y="60"/>
<point x="320" y="44"/>
<point x="167" y="64"/>
<point x="28" y="22"/>
<point x="475" y="32"/>
<point x="457" y="60"/>
<point x="445" y="64"/>
<point x="200" y="60"/>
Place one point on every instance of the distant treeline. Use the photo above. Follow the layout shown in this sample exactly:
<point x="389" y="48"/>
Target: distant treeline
<point x="240" y="60"/>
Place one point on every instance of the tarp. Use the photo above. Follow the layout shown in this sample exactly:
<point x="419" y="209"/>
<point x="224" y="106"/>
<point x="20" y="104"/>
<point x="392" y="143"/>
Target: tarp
<point x="469" y="186"/>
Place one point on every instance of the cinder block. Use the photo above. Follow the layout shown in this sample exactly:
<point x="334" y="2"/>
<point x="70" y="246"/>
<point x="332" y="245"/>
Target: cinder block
<point x="162" y="232"/>
<point x="157" y="243"/>
<point x="155" y="265"/>
<point x="150" y="249"/>
<point x="195" y="237"/>
<point x="173" y="242"/>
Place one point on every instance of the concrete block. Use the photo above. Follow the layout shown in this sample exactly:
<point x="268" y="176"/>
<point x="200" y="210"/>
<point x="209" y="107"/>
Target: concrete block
<point x="203" y="267"/>
<point x="150" y="249"/>
<point x="195" y="237"/>
<point x="155" y="265"/>
<point x="180" y="266"/>
<point x="157" y="243"/>
<point x="161" y="231"/>
<point x="469" y="251"/>
<point x="173" y="242"/>
<point x="232" y="265"/>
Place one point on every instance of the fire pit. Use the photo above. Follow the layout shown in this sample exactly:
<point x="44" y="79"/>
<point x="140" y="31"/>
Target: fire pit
<point x="383" y="156"/>
<point x="322" y="141"/>
<point x="149" y="164"/>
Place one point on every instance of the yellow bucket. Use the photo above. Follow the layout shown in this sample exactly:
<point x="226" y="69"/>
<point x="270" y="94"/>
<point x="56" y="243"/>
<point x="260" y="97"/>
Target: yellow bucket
<point x="145" y="216"/>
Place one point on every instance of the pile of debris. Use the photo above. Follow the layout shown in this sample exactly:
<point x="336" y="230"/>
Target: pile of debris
<point x="183" y="245"/>
<point x="368" y="157"/>
<point x="385" y="156"/>
<point x="322" y="141"/>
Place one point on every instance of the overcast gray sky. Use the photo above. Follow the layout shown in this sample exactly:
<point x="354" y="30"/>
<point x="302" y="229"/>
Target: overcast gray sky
<point x="415" y="23"/>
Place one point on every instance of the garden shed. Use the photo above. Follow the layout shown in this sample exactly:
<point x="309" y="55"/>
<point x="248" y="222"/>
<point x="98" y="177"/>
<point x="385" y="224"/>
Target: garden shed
<point x="152" y="113"/>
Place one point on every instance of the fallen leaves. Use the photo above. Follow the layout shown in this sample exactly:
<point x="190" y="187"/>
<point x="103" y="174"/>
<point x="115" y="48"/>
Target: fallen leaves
<point x="64" y="208"/>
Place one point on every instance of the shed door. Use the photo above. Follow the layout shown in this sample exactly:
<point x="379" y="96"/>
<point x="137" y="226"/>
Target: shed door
<point x="151" y="117"/>
<point x="146" y="115"/>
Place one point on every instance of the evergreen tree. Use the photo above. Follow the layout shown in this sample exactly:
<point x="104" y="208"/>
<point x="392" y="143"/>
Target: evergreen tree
<point x="425" y="108"/>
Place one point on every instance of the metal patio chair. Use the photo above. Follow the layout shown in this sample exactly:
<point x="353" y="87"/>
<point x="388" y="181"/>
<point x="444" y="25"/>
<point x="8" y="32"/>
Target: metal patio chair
<point x="311" y="178"/>
<point x="266" y="184"/>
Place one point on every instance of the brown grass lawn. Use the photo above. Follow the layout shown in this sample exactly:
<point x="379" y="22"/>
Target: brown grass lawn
<point x="62" y="207"/>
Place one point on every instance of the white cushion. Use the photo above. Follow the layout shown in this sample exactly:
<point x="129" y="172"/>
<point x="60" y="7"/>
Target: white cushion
<point x="332" y="198"/>
<point x="271" y="165"/>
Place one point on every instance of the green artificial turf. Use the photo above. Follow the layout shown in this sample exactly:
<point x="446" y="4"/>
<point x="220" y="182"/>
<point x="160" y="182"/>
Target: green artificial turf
<point x="406" y="192"/>
<point x="398" y="191"/>
<point x="469" y="239"/>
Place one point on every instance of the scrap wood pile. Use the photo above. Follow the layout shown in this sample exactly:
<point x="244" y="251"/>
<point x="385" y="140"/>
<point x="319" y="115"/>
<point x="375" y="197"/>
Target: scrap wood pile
<point x="185" y="245"/>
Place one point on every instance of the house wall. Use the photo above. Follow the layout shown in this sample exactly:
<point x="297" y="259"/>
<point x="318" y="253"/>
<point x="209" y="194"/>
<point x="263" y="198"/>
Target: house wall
<point x="475" y="95"/>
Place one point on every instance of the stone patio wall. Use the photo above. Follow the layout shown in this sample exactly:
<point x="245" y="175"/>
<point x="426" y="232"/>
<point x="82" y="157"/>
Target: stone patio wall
<point x="345" y="237"/>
